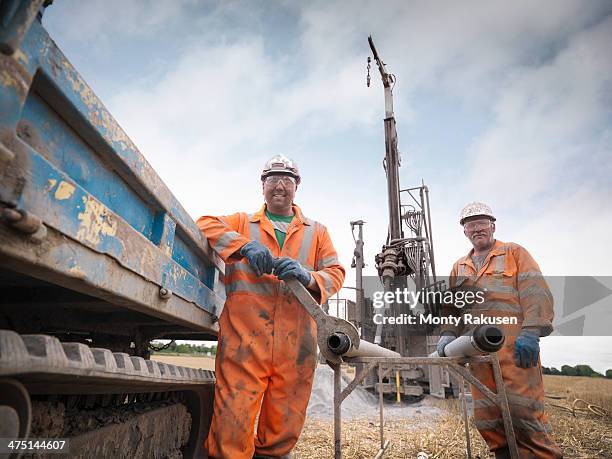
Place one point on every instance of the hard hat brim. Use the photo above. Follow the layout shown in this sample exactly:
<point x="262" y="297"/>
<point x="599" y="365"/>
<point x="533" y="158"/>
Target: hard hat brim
<point x="269" y="173"/>
<point x="476" y="217"/>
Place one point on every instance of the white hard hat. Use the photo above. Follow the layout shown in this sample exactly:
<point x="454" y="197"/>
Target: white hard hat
<point x="476" y="209"/>
<point x="281" y="165"/>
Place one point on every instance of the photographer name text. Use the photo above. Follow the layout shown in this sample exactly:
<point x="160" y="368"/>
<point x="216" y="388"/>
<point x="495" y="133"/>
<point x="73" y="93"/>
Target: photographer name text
<point x="430" y="319"/>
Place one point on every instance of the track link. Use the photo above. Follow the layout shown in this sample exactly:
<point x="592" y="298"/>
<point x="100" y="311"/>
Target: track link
<point x="45" y="365"/>
<point x="120" y="403"/>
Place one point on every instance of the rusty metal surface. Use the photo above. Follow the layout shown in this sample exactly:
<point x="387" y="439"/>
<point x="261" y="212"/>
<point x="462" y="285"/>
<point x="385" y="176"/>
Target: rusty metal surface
<point x="55" y="199"/>
<point x="20" y="15"/>
<point x="68" y="166"/>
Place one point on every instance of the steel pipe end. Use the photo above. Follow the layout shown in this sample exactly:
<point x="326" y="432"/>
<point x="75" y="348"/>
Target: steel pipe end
<point x="489" y="338"/>
<point x="339" y="343"/>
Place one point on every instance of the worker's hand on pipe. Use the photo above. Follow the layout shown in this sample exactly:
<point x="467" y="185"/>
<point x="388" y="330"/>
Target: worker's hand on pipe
<point x="527" y="348"/>
<point x="259" y="257"/>
<point x="445" y="339"/>
<point x="286" y="268"/>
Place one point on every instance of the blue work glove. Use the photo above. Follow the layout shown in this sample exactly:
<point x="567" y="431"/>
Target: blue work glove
<point x="259" y="257"/>
<point x="527" y="348"/>
<point x="445" y="338"/>
<point x="286" y="268"/>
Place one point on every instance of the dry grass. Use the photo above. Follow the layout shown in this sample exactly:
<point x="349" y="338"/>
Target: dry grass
<point x="582" y="436"/>
<point x="580" y="433"/>
<point x="207" y="363"/>
<point x="596" y="391"/>
<point x="360" y="439"/>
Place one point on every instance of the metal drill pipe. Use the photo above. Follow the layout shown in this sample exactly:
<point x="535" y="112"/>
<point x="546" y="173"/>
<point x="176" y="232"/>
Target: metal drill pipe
<point x="482" y="340"/>
<point x="340" y="344"/>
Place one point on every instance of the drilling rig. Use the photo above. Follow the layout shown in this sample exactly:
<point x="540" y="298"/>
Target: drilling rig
<point x="406" y="261"/>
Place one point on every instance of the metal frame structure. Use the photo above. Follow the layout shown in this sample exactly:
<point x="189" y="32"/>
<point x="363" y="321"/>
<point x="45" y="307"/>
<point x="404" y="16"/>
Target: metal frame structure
<point x="407" y="256"/>
<point x="455" y="365"/>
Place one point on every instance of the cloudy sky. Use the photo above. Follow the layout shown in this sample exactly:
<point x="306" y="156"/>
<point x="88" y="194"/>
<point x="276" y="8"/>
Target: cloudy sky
<point x="505" y="102"/>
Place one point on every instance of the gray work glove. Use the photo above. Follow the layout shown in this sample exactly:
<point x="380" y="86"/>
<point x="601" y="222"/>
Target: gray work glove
<point x="445" y="338"/>
<point x="286" y="268"/>
<point x="259" y="257"/>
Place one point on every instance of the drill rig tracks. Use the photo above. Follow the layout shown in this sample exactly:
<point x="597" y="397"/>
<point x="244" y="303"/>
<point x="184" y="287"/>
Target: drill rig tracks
<point x="107" y="404"/>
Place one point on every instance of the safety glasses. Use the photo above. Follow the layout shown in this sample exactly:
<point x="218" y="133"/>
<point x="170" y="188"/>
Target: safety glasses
<point x="477" y="225"/>
<point x="274" y="180"/>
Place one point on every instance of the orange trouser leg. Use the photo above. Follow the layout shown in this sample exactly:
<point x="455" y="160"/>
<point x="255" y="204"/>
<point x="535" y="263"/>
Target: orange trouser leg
<point x="286" y="398"/>
<point x="525" y="391"/>
<point x="242" y="370"/>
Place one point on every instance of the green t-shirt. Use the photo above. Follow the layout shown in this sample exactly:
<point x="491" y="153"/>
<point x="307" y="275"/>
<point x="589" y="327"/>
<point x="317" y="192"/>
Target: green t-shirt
<point x="280" y="224"/>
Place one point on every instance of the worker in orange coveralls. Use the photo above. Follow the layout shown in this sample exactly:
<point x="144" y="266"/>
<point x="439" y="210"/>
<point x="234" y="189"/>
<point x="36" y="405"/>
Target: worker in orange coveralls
<point x="266" y="353"/>
<point x="514" y="287"/>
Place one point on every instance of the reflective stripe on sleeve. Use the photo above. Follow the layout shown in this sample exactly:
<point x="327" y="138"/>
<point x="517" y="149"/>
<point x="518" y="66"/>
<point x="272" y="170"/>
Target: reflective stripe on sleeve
<point x="233" y="267"/>
<point x="529" y="275"/>
<point x="309" y="231"/>
<point x="327" y="280"/>
<point x="327" y="262"/>
<point x="534" y="290"/>
<point x="225" y="240"/>
<point x="248" y="287"/>
<point x="255" y="231"/>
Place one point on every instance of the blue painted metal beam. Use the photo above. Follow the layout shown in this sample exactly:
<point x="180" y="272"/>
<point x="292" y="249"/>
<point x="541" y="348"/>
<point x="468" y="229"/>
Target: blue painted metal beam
<point x="65" y="160"/>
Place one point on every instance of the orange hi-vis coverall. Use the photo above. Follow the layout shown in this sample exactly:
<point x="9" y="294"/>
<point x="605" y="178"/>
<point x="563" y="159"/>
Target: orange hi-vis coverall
<point x="266" y="353"/>
<point x="514" y="287"/>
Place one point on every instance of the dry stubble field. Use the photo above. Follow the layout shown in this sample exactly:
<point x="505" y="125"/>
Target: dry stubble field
<point x="206" y="363"/>
<point x="581" y="433"/>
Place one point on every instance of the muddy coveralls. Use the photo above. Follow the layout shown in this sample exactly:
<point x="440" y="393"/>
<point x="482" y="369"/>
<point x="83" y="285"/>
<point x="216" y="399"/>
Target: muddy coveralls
<point x="514" y="287"/>
<point x="266" y="353"/>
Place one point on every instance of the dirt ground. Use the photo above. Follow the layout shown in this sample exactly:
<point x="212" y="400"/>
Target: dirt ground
<point x="581" y="432"/>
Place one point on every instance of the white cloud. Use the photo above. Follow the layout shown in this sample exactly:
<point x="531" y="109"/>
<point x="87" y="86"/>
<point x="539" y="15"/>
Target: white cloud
<point x="223" y="108"/>
<point x="548" y="118"/>
<point x="99" y="21"/>
<point x="232" y="94"/>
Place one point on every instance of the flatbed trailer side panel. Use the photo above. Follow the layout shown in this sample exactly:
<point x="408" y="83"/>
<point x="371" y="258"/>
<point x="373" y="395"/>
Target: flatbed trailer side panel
<point x="67" y="164"/>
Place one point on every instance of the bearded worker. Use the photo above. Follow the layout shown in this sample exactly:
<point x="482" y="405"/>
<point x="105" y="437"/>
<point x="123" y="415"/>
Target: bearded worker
<point x="514" y="287"/>
<point x="267" y="340"/>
